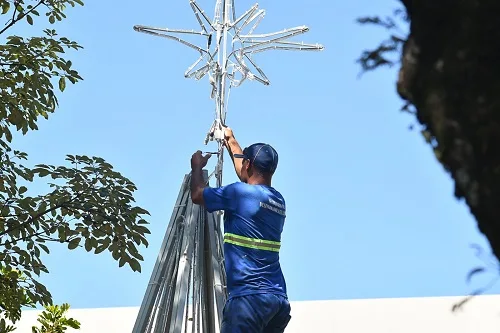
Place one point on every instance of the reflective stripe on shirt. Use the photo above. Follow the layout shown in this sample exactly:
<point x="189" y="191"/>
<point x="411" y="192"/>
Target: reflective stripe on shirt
<point x="253" y="243"/>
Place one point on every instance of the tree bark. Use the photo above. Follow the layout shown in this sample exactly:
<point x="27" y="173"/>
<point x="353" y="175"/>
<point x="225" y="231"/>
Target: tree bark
<point x="451" y="73"/>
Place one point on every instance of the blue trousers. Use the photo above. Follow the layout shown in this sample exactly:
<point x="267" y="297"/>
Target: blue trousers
<point x="259" y="313"/>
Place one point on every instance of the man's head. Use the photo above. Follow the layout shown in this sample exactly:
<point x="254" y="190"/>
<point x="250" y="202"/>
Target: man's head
<point x="260" y="160"/>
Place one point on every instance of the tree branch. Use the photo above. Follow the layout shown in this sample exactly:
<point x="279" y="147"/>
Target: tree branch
<point x="10" y="64"/>
<point x="38" y="234"/>
<point x="20" y="17"/>
<point x="37" y="216"/>
<point x="31" y="219"/>
<point x="15" y="11"/>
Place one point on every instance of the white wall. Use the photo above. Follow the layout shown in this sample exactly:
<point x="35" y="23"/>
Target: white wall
<point x="403" y="315"/>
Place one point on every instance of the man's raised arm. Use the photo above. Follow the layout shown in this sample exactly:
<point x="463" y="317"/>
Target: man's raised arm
<point x="233" y="147"/>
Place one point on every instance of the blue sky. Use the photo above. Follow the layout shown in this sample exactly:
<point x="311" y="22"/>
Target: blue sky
<point x="371" y="213"/>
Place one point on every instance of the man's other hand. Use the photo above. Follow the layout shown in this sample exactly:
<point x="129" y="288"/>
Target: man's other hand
<point x="198" y="161"/>
<point x="228" y="133"/>
<point x="228" y="136"/>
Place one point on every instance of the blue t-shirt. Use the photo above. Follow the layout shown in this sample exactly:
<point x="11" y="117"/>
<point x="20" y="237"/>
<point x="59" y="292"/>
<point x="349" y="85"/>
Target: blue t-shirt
<point x="250" y="212"/>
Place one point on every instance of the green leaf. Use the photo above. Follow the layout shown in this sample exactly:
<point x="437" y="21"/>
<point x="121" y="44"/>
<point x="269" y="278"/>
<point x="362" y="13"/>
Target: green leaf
<point x="8" y="135"/>
<point x="29" y="19"/>
<point x="52" y="19"/>
<point x="5" y="7"/>
<point x="43" y="173"/>
<point x="23" y="189"/>
<point x="100" y="249"/>
<point x="73" y="244"/>
<point x="62" y="83"/>
<point x="88" y="244"/>
<point x="45" y="248"/>
<point x="115" y="255"/>
<point x="137" y="255"/>
<point x="122" y="261"/>
<point x="135" y="265"/>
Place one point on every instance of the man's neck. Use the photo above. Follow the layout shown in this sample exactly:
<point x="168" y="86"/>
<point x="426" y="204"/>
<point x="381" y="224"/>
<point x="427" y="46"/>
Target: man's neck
<point x="258" y="181"/>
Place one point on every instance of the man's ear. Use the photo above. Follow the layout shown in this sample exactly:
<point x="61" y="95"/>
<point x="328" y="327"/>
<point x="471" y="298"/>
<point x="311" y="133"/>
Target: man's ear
<point x="249" y="168"/>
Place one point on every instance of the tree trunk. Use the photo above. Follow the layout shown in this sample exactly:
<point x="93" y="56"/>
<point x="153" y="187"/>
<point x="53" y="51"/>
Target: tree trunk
<point x="451" y="73"/>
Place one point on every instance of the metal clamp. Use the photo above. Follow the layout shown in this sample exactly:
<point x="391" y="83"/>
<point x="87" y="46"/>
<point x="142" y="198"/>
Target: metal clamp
<point x="216" y="132"/>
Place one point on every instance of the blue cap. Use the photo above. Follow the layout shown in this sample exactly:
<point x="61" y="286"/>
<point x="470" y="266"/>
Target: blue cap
<point x="262" y="156"/>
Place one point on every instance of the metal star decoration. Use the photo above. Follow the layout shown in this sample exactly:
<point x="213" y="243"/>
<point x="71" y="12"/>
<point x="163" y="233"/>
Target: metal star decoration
<point x="227" y="56"/>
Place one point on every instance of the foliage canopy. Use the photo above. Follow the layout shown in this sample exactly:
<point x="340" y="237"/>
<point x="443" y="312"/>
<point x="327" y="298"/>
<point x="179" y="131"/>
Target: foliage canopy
<point x="89" y="205"/>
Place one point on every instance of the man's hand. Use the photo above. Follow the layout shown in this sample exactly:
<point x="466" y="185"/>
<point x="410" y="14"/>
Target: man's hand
<point x="228" y="137"/>
<point x="233" y="147"/>
<point x="198" y="161"/>
<point x="228" y="133"/>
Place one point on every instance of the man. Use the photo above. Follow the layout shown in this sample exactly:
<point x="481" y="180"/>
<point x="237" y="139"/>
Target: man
<point x="254" y="217"/>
